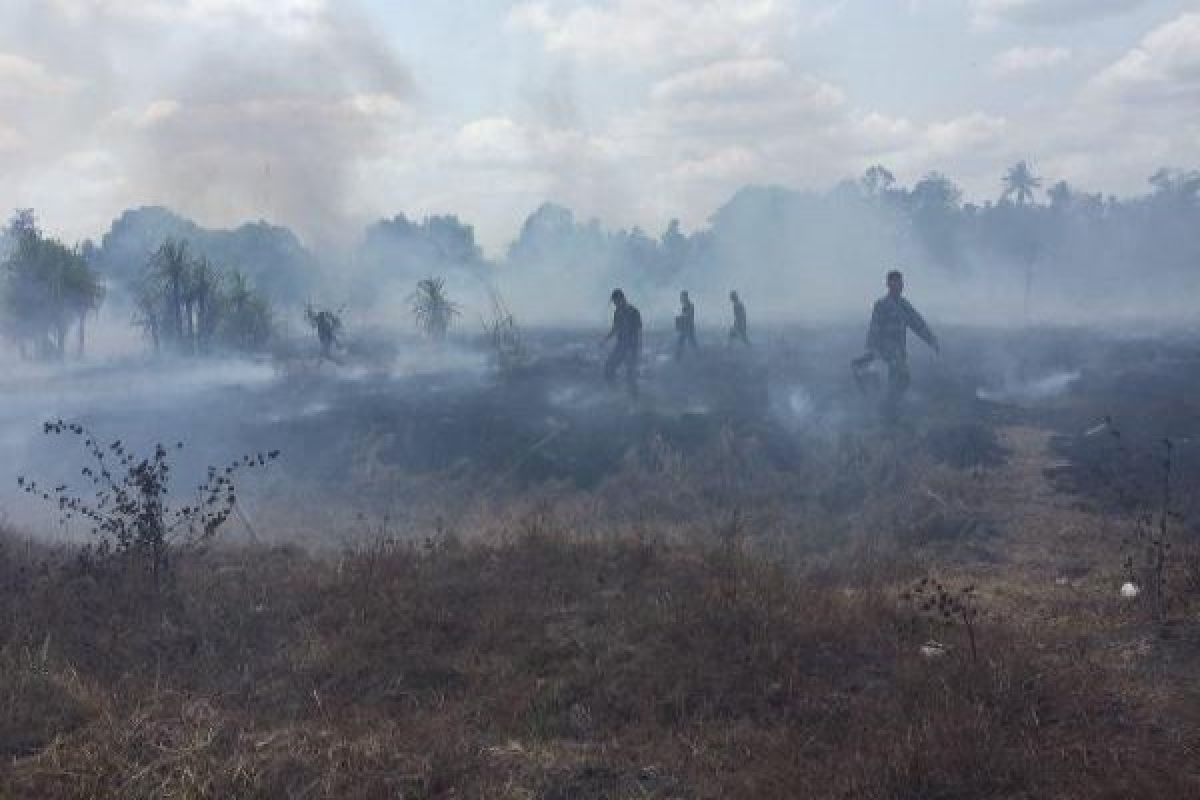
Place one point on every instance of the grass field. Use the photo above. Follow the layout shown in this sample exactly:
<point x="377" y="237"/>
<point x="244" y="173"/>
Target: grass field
<point x="724" y="614"/>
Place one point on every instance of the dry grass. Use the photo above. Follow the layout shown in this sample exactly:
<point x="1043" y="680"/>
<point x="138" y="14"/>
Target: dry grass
<point x="539" y="665"/>
<point x="703" y="626"/>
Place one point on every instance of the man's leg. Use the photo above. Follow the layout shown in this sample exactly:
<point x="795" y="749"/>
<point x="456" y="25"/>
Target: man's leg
<point x="631" y="373"/>
<point x="610" y="366"/>
<point x="898" y="381"/>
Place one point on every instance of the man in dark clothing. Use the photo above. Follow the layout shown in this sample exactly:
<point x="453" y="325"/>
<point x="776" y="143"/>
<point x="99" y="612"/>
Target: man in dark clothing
<point x="738" y="331"/>
<point x="887" y="339"/>
<point x="627" y="329"/>
<point x="327" y="324"/>
<point x="685" y="324"/>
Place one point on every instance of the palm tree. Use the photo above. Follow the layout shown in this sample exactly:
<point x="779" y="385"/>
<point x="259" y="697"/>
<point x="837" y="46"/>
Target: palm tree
<point x="877" y="180"/>
<point x="246" y="315"/>
<point x="200" y="302"/>
<point x="432" y="308"/>
<point x="83" y="292"/>
<point x="1059" y="194"/>
<point x="47" y="287"/>
<point x="169" y="267"/>
<point x="147" y="302"/>
<point x="1020" y="182"/>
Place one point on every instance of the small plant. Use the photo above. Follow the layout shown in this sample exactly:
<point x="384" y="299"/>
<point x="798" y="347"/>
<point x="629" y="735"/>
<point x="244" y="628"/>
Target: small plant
<point x="1148" y="550"/>
<point x="130" y="510"/>
<point x="945" y="606"/>
<point x="1152" y="537"/>
<point x="432" y="308"/>
<point x="504" y="336"/>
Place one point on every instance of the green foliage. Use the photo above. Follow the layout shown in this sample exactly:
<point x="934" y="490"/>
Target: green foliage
<point x="432" y="308"/>
<point x="190" y="304"/>
<point x="1020" y="183"/>
<point x="129" y="504"/>
<point x="245" y="318"/>
<point x="47" y="288"/>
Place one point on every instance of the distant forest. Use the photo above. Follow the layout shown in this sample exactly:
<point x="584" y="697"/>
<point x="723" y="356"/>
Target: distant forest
<point x="1036" y="238"/>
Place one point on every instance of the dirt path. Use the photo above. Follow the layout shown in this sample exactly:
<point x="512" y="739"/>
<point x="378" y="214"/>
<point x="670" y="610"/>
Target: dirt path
<point x="1051" y="555"/>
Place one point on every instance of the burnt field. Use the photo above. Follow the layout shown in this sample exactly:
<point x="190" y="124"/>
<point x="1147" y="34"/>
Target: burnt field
<point x="462" y="581"/>
<point x="392" y="415"/>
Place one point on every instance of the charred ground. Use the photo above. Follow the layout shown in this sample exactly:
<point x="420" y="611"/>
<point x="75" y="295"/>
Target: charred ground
<point x="468" y="583"/>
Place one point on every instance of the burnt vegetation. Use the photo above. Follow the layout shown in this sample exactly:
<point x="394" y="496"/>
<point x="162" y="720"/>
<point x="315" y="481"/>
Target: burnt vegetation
<point x="698" y="621"/>
<point x="538" y="666"/>
<point x="742" y="584"/>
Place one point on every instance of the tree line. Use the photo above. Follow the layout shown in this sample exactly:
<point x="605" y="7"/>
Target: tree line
<point x="48" y="288"/>
<point x="1032" y="230"/>
<point x="184" y="303"/>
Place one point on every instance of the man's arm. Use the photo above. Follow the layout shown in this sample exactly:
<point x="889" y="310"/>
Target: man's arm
<point x="918" y="325"/>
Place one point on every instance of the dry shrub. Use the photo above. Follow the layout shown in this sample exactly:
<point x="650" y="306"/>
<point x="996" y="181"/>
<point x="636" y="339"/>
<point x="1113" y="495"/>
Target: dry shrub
<point x="37" y="703"/>
<point x="546" y="665"/>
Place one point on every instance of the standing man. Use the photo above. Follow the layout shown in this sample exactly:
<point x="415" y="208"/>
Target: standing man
<point x="738" y="331"/>
<point x="685" y="324"/>
<point x="627" y="329"/>
<point x="327" y="324"/>
<point x="887" y="339"/>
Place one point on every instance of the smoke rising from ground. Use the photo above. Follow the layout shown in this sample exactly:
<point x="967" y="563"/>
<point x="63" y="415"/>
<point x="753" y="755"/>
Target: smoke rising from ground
<point x="232" y="112"/>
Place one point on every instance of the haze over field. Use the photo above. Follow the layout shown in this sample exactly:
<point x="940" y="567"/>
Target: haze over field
<point x="325" y="117"/>
<point x="322" y="479"/>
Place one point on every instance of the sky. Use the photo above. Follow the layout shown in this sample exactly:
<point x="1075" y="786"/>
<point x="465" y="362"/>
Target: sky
<point x="326" y="114"/>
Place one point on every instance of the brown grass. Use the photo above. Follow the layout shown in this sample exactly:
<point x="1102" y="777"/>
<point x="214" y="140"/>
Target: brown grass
<point x="705" y="626"/>
<point x="541" y="665"/>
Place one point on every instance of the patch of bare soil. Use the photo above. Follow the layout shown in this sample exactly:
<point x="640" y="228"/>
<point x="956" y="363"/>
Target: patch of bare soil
<point x="1058" y="568"/>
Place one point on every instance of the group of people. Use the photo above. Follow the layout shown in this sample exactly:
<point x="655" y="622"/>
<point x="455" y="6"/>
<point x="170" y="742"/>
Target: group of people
<point x="627" y="330"/>
<point x="887" y="337"/>
<point x="685" y="324"/>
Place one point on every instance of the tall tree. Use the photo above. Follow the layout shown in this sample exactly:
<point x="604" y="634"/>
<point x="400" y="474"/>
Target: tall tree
<point x="245" y="316"/>
<point x="169" y="267"/>
<point x="201" y="302"/>
<point x="1020" y="183"/>
<point x="47" y="288"/>
<point x="877" y="180"/>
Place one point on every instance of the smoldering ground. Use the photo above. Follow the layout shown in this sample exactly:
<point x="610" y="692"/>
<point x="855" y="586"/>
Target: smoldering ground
<point x="410" y="431"/>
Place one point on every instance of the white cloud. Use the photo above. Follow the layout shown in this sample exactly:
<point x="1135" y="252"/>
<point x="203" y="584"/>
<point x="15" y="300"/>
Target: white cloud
<point x="639" y="33"/>
<point x="156" y="112"/>
<point x="285" y="16"/>
<point x="1019" y="60"/>
<point x="974" y="133"/>
<point x="492" y="141"/>
<point x="756" y="97"/>
<point x="1047" y="12"/>
<point x="299" y="111"/>
<point x="727" y="78"/>
<point x="20" y="76"/>
<point x="1164" y="66"/>
<point x="225" y="110"/>
<point x="9" y="139"/>
<point x="724" y="165"/>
